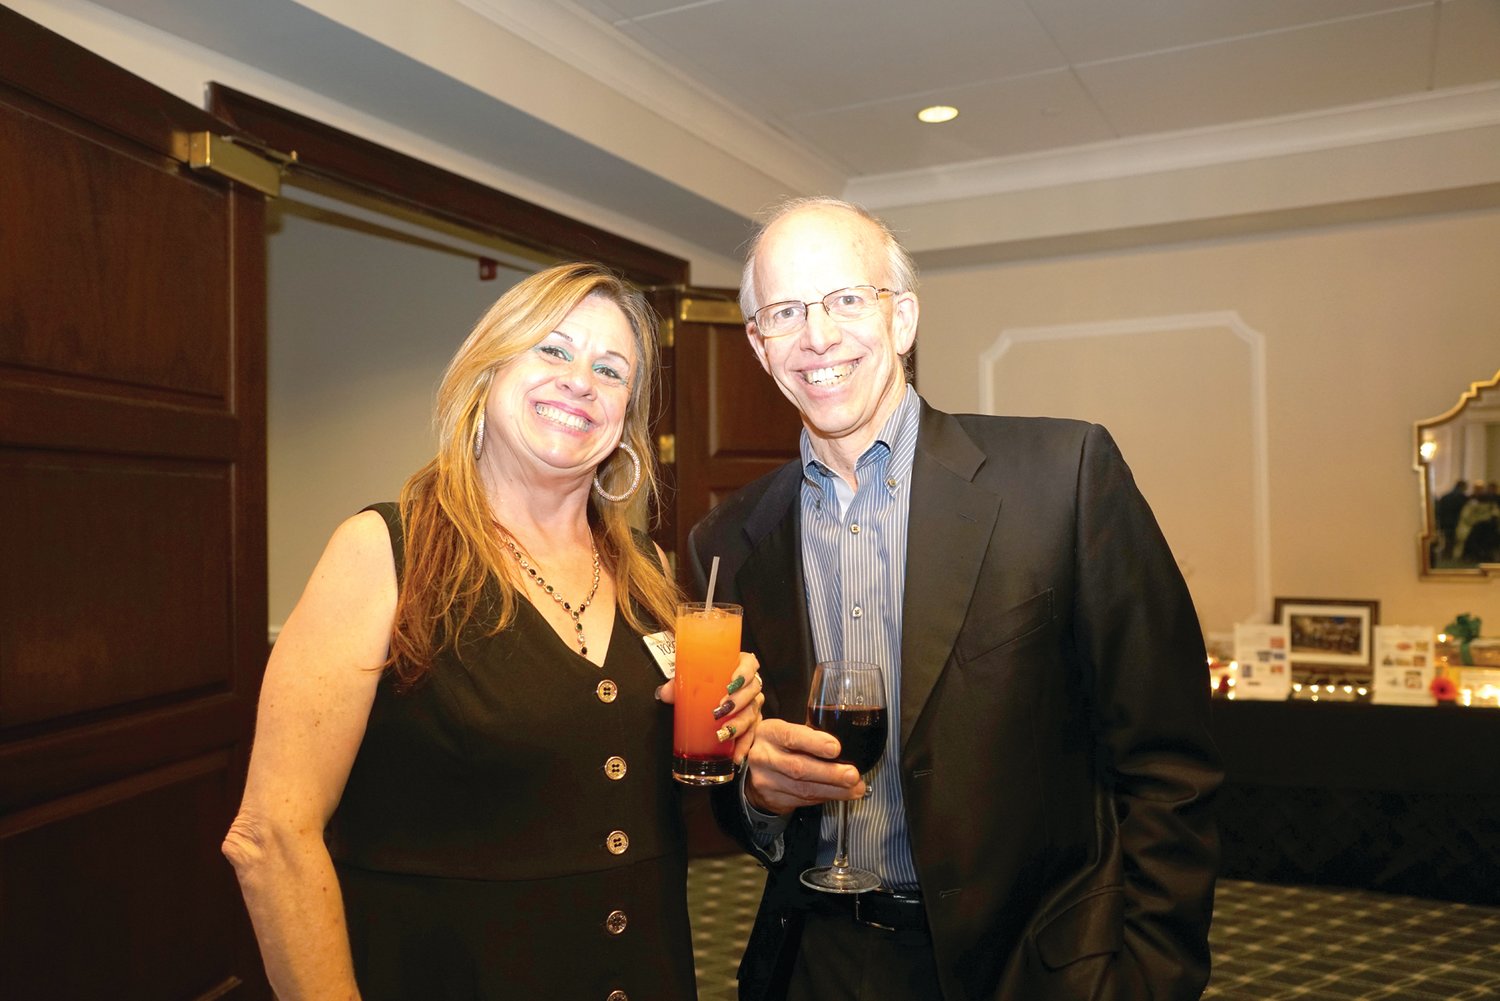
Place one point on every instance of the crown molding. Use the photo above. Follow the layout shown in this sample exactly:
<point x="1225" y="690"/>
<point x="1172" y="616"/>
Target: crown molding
<point x="1432" y="114"/>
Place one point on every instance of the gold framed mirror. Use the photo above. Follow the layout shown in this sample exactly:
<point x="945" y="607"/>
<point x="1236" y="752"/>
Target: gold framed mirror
<point x="1457" y="460"/>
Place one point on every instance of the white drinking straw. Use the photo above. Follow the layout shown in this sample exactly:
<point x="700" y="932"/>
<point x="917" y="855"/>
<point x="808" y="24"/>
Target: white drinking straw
<point x="713" y="575"/>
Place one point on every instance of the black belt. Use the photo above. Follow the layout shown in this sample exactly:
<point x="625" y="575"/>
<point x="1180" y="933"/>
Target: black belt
<point x="878" y="908"/>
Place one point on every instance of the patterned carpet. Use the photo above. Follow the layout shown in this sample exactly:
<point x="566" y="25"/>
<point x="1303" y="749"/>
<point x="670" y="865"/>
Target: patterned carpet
<point x="723" y="892"/>
<point x="1270" y="943"/>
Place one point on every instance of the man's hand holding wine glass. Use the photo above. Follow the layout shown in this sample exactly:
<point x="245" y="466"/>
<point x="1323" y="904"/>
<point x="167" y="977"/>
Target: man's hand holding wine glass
<point x="792" y="765"/>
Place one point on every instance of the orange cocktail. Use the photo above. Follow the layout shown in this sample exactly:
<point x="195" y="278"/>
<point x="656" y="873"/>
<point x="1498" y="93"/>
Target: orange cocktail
<point x="708" y="651"/>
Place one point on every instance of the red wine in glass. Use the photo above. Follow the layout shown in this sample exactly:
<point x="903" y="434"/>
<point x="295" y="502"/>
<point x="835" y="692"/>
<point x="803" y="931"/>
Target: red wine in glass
<point x="847" y="699"/>
<point x="860" y="730"/>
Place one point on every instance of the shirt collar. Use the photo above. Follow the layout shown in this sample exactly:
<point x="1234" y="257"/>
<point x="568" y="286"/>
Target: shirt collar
<point x="896" y="441"/>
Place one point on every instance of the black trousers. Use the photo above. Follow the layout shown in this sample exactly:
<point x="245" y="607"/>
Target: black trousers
<point x="841" y="960"/>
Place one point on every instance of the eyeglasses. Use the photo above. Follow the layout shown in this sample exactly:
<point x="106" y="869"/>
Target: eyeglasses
<point x="853" y="303"/>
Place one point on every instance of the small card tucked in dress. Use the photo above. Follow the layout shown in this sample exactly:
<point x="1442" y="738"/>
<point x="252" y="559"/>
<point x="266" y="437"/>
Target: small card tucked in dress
<point x="663" y="649"/>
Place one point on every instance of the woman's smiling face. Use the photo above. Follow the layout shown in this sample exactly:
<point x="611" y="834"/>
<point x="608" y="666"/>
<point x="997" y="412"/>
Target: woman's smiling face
<point x="559" y="409"/>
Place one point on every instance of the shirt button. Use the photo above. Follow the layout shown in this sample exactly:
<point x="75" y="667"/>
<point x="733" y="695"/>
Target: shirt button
<point x="617" y="996"/>
<point x="858" y="612"/>
<point x="854" y="528"/>
<point x="891" y="482"/>
<point x="615" y="768"/>
<point x="618" y="842"/>
<point x="607" y="690"/>
<point x="615" y="923"/>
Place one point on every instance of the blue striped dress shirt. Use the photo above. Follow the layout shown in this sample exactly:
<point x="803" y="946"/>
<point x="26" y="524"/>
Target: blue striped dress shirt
<point x="854" y="561"/>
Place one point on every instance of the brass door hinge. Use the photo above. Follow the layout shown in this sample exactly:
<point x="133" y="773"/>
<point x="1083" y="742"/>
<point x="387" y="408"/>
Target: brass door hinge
<point x="666" y="447"/>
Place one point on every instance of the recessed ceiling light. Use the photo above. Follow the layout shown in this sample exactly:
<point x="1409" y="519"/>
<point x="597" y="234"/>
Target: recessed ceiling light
<point x="937" y="113"/>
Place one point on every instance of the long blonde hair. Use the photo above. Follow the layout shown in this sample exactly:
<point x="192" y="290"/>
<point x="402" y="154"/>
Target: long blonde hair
<point x="452" y="548"/>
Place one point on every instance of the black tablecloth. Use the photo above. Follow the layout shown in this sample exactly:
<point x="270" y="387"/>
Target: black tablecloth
<point x="1404" y="799"/>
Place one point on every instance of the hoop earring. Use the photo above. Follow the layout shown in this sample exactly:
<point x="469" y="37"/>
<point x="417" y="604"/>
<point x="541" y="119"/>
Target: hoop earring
<point x="635" y="479"/>
<point x="479" y="436"/>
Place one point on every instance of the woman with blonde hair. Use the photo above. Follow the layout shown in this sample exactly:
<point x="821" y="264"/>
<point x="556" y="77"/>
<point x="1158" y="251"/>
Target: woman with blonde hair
<point x="460" y="785"/>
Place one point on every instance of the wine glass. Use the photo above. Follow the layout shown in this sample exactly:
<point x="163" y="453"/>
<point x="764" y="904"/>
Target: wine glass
<point x="847" y="699"/>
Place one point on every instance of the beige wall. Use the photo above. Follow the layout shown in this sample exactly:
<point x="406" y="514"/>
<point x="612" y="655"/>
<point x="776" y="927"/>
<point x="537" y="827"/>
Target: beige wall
<point x="361" y="329"/>
<point x="1363" y="330"/>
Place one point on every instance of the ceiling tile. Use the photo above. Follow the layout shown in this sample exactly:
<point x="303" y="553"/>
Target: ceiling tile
<point x="784" y="57"/>
<point x="1088" y="30"/>
<point x="1306" y="69"/>
<point x="995" y="119"/>
<point x="1468" y="46"/>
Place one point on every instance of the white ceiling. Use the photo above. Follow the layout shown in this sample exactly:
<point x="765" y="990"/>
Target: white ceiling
<point x="846" y="77"/>
<point x="1083" y="123"/>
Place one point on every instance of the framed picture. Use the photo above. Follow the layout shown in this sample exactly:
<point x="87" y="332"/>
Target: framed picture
<point x="1334" y="634"/>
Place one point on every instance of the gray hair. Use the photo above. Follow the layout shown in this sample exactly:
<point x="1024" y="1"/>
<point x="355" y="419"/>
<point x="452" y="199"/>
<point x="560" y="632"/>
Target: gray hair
<point x="901" y="270"/>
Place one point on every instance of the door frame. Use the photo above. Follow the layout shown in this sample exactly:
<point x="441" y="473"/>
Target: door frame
<point x="334" y="155"/>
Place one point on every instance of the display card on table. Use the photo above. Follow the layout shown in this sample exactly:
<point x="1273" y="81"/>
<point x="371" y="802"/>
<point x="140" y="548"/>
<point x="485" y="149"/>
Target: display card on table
<point x="1261" y="652"/>
<point x="1403" y="663"/>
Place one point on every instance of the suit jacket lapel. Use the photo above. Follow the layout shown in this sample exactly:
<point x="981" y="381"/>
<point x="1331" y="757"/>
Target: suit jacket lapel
<point x="948" y="534"/>
<point x="770" y="585"/>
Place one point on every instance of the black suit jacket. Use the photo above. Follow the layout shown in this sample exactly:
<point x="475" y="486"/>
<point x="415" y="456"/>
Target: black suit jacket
<point x="1056" y="760"/>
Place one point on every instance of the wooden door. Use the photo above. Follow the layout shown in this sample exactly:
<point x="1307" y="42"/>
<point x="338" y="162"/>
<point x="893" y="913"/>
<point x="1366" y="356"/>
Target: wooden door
<point x="132" y="534"/>
<point x="725" y="421"/>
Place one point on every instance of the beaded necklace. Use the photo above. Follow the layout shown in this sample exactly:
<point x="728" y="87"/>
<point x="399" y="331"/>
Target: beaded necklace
<point x="531" y="571"/>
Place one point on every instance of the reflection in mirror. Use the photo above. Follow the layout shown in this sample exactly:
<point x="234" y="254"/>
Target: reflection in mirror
<point x="1458" y="464"/>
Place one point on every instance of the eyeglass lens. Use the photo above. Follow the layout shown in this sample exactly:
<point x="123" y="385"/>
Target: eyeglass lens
<point x="854" y="303"/>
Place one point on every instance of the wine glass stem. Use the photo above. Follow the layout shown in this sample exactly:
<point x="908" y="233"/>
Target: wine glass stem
<point x="841" y="853"/>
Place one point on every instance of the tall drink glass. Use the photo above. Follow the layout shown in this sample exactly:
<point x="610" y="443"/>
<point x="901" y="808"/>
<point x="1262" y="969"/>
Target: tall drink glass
<point x="708" y="651"/>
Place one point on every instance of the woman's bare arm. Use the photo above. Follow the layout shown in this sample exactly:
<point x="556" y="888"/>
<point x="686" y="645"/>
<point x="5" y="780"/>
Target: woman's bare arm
<point x="314" y="703"/>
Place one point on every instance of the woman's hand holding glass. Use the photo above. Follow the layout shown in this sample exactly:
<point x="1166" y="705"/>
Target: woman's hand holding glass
<point x="738" y="716"/>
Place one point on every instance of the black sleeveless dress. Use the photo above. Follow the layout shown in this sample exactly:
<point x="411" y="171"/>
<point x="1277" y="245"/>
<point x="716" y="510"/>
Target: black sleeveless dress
<point x="510" y="827"/>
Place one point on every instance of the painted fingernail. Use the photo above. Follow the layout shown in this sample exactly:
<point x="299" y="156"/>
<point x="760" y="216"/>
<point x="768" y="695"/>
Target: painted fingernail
<point x="725" y="732"/>
<point x="724" y="709"/>
<point x="735" y="685"/>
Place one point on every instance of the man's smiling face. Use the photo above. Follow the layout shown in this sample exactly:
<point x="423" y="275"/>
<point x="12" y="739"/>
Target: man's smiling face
<point x="845" y="377"/>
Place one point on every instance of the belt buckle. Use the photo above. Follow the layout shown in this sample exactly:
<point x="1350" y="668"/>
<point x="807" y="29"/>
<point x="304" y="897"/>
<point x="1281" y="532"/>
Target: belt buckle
<point x="859" y="915"/>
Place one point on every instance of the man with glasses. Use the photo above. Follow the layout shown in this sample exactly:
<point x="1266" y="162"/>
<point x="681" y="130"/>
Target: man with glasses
<point x="1039" y="820"/>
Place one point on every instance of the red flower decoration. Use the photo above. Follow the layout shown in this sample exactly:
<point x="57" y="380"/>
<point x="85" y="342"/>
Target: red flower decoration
<point x="1443" y="689"/>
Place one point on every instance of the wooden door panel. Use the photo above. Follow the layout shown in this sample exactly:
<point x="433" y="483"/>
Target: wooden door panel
<point x="132" y="590"/>
<point x="748" y="418"/>
<point x="732" y="423"/>
<point x="89" y="202"/>
<point x="43" y="410"/>
<point x="151" y="618"/>
<point x="52" y="762"/>
<point x="160" y="930"/>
